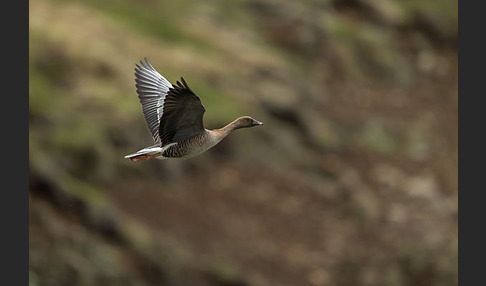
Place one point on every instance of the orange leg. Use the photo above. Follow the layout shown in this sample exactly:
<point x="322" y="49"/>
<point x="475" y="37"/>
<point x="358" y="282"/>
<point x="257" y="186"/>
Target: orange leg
<point x="145" y="157"/>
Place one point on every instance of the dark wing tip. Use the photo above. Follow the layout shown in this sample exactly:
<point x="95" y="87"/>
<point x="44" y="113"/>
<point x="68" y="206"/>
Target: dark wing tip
<point x="184" y="83"/>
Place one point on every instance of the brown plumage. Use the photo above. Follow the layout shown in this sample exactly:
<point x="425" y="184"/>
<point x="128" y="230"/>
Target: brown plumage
<point x="174" y="117"/>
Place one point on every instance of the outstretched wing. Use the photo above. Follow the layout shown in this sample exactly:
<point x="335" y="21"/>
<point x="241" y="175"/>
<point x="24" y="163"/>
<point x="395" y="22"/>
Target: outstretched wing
<point x="152" y="89"/>
<point x="182" y="116"/>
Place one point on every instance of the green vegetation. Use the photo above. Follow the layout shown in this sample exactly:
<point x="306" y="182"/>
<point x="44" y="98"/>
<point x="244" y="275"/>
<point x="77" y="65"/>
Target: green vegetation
<point x="351" y="181"/>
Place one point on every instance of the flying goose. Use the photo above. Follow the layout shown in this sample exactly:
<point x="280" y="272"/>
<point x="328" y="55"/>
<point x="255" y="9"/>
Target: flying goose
<point x="174" y="117"/>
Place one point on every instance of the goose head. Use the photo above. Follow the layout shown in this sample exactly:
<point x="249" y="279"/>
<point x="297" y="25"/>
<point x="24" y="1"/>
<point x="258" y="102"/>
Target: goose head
<point x="246" y="121"/>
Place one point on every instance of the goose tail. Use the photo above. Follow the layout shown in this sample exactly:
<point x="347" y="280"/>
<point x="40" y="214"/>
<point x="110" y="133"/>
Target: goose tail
<point x="146" y="153"/>
<point x="149" y="153"/>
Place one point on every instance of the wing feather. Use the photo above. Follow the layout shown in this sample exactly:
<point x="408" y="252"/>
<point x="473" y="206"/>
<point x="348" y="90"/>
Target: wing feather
<point x="173" y="113"/>
<point x="183" y="113"/>
<point x="152" y="89"/>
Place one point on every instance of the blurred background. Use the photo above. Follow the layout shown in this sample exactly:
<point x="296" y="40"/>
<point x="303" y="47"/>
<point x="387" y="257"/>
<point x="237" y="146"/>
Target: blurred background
<point x="351" y="181"/>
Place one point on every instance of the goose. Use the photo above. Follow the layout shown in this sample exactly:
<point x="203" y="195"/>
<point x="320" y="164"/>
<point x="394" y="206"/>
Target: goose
<point x="174" y="117"/>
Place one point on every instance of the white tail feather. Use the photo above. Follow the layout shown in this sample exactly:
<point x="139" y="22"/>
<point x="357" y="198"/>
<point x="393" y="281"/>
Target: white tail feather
<point x="149" y="151"/>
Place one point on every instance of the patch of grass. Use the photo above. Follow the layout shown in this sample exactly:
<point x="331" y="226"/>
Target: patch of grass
<point x="378" y="139"/>
<point x="160" y="20"/>
<point x="447" y="9"/>
<point x="234" y="13"/>
<point x="226" y="270"/>
<point x="41" y="92"/>
<point x="41" y="88"/>
<point x="88" y="194"/>
<point x="364" y="49"/>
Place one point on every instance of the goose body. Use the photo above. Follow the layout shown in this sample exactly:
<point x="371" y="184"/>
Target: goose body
<point x="174" y="114"/>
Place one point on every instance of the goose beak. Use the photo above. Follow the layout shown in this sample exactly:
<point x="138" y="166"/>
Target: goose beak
<point x="256" y="122"/>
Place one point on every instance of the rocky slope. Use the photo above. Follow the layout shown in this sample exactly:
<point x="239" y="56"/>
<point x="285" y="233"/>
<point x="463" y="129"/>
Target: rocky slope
<point x="351" y="181"/>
